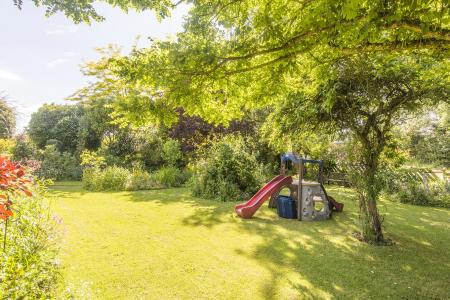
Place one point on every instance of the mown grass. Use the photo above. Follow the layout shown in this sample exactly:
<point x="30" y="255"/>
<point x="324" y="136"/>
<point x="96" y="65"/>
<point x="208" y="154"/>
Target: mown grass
<point x="165" y="244"/>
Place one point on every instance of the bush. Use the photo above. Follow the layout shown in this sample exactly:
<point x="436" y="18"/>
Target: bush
<point x="150" y="154"/>
<point x="228" y="171"/>
<point x="141" y="180"/>
<point x="171" y="177"/>
<point x="28" y="267"/>
<point x="119" y="179"/>
<point x="114" y="179"/>
<point x="23" y="149"/>
<point x="6" y="146"/>
<point x="90" y="179"/>
<point x="110" y="179"/>
<point x="58" y="166"/>
<point x="91" y="159"/>
<point x="437" y="194"/>
<point x="406" y="186"/>
<point x="171" y="152"/>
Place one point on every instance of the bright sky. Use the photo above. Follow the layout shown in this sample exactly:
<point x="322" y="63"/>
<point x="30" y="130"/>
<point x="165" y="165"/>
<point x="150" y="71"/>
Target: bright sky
<point x="40" y="57"/>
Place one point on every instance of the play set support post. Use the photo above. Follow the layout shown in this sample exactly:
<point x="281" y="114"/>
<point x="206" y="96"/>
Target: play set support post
<point x="299" y="192"/>
<point x="320" y="175"/>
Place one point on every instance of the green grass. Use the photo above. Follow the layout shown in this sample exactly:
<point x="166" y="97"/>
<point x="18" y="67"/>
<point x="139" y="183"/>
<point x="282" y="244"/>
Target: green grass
<point x="165" y="244"/>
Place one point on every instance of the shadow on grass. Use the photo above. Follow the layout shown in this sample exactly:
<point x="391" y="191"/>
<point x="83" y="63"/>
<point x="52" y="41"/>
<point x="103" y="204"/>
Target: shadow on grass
<point x="325" y="261"/>
<point x="161" y="196"/>
<point x="207" y="213"/>
<point x="69" y="189"/>
<point x="319" y="260"/>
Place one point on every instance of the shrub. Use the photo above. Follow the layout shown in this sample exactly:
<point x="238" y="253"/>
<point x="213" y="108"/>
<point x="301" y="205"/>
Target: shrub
<point x="228" y="171"/>
<point x="150" y="154"/>
<point x="91" y="159"/>
<point x="119" y="179"/>
<point x="23" y="149"/>
<point x="436" y="194"/>
<point x="171" y="152"/>
<point x="90" y="179"/>
<point x="110" y="179"/>
<point x="407" y="186"/>
<point x="114" y="179"/>
<point x="185" y="175"/>
<point x="141" y="180"/>
<point x="58" y="166"/>
<point x="171" y="177"/>
<point x="28" y="268"/>
<point x="6" y="146"/>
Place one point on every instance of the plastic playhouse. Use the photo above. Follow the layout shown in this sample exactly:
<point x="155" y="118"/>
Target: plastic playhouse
<point x="307" y="200"/>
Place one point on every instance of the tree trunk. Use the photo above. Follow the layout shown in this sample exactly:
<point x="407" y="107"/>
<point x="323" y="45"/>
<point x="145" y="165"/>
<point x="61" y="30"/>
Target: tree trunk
<point x="372" y="192"/>
<point x="369" y="193"/>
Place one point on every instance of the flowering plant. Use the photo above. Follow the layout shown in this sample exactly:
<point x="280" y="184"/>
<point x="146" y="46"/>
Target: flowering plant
<point x="12" y="182"/>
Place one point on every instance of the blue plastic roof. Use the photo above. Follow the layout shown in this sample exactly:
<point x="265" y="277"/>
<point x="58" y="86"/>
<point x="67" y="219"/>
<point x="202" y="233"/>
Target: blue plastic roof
<point x="290" y="156"/>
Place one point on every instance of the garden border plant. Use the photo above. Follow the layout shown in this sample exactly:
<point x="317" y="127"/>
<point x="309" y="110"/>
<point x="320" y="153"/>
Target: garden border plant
<point x="12" y="182"/>
<point x="28" y="259"/>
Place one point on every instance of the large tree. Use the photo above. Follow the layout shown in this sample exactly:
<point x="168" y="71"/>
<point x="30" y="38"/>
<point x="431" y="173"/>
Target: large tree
<point x="234" y="50"/>
<point x="365" y="97"/>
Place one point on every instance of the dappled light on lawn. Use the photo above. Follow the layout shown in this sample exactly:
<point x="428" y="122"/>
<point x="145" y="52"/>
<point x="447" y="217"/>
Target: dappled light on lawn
<point x="165" y="243"/>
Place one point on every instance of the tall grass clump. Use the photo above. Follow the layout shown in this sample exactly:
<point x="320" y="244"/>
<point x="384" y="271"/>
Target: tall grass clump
<point x="171" y="177"/>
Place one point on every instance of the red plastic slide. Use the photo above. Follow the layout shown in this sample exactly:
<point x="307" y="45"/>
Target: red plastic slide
<point x="248" y="209"/>
<point x="339" y="207"/>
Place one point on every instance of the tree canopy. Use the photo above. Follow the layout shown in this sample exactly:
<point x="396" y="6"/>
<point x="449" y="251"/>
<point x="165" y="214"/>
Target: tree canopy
<point x="231" y="52"/>
<point x="83" y="11"/>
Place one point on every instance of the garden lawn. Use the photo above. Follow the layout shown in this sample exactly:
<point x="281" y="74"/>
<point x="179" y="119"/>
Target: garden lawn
<point x="165" y="244"/>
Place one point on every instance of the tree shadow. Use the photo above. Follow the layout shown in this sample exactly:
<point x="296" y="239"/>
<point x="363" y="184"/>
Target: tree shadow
<point x="67" y="189"/>
<point x="321" y="260"/>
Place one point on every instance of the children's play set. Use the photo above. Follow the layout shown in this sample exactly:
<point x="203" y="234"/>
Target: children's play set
<point x="307" y="200"/>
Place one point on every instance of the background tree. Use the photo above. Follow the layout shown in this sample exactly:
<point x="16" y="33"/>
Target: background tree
<point x="193" y="131"/>
<point x="7" y="119"/>
<point x="95" y="122"/>
<point x="171" y="152"/>
<point x="56" y="122"/>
